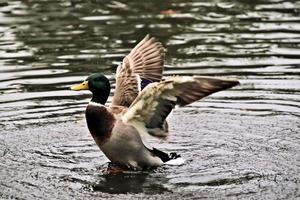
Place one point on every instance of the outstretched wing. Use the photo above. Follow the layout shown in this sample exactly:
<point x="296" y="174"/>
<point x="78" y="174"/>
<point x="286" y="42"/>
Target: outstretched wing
<point x="143" y="65"/>
<point x="149" y="110"/>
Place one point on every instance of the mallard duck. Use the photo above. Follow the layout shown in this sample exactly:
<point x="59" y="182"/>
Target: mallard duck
<point x="140" y="105"/>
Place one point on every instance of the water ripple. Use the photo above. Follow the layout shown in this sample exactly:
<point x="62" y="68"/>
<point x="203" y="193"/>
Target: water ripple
<point x="238" y="143"/>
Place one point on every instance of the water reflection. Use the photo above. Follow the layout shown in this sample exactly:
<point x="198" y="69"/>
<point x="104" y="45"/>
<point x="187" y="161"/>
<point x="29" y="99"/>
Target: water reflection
<point x="130" y="182"/>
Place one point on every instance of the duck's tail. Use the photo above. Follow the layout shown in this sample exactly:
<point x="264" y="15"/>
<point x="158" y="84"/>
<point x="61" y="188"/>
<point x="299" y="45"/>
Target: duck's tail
<point x="168" y="159"/>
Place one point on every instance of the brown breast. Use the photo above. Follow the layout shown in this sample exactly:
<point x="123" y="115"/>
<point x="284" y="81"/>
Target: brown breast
<point x="100" y="122"/>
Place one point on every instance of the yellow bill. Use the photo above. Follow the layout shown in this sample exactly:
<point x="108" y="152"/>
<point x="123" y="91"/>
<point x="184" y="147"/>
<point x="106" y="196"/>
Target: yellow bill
<point x="83" y="86"/>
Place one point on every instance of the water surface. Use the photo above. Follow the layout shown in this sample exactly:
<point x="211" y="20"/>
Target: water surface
<point x="240" y="143"/>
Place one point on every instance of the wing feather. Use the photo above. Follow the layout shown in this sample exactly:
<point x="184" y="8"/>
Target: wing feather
<point x="150" y="109"/>
<point x="145" y="61"/>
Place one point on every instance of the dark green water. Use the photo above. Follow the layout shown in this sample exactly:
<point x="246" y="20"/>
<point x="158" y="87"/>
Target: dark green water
<point x="242" y="143"/>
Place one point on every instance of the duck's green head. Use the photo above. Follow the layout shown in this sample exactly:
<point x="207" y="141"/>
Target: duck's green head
<point x="98" y="84"/>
